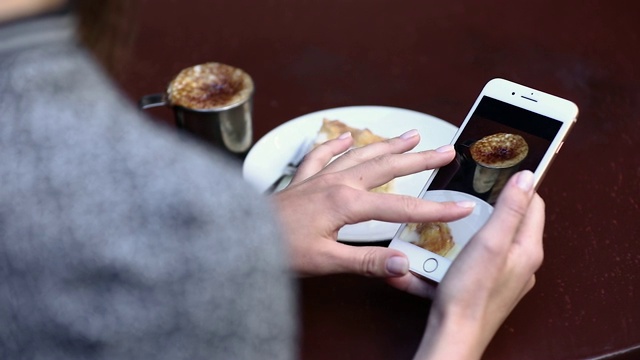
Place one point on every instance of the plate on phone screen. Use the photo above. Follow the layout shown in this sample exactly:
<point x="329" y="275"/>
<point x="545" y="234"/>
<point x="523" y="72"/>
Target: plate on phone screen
<point x="269" y="156"/>
<point x="462" y="230"/>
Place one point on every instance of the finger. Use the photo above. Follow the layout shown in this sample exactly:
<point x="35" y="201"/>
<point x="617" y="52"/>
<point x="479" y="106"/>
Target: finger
<point x="528" y="247"/>
<point x="370" y="261"/>
<point x="318" y="158"/>
<point x="376" y="261"/>
<point x="357" y="206"/>
<point x="532" y="226"/>
<point x="396" y="145"/>
<point x="383" y="169"/>
<point x="412" y="284"/>
<point x="509" y="212"/>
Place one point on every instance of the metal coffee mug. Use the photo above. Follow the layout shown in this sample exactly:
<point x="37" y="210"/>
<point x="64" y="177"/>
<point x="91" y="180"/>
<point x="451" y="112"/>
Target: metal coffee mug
<point x="487" y="179"/>
<point x="229" y="127"/>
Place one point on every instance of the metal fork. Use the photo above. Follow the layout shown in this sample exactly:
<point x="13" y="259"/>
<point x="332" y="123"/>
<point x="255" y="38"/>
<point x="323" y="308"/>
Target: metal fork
<point x="291" y="167"/>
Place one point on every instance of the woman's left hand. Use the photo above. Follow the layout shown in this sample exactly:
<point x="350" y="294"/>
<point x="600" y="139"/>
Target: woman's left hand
<point x="323" y="198"/>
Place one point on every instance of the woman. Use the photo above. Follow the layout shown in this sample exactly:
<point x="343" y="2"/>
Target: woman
<point x="118" y="245"/>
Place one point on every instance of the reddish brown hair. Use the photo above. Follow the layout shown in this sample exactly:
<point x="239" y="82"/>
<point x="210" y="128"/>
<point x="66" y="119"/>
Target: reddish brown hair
<point x="107" y="28"/>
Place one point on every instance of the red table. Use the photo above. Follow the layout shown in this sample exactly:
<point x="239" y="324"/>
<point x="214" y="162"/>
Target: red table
<point x="434" y="57"/>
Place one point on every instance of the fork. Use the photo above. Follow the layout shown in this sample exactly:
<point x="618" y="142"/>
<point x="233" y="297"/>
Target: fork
<point x="291" y="167"/>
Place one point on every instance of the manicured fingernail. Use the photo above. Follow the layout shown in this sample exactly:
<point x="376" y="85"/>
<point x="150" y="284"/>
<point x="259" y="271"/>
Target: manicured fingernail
<point x="445" y="148"/>
<point x="466" y="204"/>
<point x="397" y="265"/>
<point x="525" y="180"/>
<point x="409" y="134"/>
<point x="345" y="135"/>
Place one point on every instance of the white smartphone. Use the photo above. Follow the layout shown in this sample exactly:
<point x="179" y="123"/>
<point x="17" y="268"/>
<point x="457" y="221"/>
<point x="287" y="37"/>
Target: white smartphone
<point x="510" y="128"/>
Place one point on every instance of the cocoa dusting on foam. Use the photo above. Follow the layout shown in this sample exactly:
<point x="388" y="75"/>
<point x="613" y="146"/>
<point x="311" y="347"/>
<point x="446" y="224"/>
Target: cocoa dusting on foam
<point x="500" y="150"/>
<point x="209" y="86"/>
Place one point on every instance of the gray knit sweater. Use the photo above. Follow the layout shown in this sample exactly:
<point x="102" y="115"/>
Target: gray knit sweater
<point x="118" y="238"/>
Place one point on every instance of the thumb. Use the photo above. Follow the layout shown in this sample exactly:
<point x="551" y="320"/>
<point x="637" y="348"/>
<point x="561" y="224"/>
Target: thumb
<point x="374" y="261"/>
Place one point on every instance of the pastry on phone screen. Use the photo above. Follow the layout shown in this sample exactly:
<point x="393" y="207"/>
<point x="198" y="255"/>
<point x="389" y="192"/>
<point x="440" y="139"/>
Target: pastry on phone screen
<point x="433" y="236"/>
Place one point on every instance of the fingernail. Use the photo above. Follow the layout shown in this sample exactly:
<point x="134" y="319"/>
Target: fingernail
<point x="397" y="265"/>
<point x="345" y="135"/>
<point x="409" y="134"/>
<point x="466" y="204"/>
<point x="525" y="180"/>
<point x="445" y="148"/>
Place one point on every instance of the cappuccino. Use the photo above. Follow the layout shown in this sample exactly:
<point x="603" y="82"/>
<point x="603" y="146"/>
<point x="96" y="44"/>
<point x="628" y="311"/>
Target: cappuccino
<point x="210" y="86"/>
<point x="497" y="156"/>
<point x="499" y="151"/>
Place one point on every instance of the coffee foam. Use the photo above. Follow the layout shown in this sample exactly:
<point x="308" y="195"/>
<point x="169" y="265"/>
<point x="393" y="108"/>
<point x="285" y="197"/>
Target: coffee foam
<point x="499" y="150"/>
<point x="210" y="86"/>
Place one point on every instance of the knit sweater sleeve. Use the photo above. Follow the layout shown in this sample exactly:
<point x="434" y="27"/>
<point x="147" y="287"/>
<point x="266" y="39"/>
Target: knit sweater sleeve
<point x="120" y="239"/>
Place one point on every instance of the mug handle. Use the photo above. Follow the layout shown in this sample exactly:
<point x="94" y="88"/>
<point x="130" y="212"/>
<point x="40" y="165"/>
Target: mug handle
<point x="152" y="100"/>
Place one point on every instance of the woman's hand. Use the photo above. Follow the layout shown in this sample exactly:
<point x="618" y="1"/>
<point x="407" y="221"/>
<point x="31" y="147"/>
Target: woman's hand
<point x="323" y="198"/>
<point x="489" y="277"/>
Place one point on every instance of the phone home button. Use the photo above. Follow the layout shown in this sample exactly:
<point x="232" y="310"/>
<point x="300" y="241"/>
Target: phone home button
<point x="430" y="265"/>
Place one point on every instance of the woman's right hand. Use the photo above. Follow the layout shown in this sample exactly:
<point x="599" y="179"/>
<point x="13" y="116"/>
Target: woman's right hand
<point x="489" y="277"/>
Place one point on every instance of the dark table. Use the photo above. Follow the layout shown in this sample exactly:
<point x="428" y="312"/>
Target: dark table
<point x="434" y="57"/>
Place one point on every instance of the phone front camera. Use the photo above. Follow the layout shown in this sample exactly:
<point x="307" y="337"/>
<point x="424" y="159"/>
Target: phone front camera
<point x="513" y="93"/>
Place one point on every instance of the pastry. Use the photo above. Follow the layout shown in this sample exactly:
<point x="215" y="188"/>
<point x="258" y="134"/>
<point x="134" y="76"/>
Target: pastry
<point x="331" y="129"/>
<point x="433" y="236"/>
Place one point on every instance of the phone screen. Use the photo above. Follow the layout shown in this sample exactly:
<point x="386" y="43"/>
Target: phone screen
<point x="498" y="140"/>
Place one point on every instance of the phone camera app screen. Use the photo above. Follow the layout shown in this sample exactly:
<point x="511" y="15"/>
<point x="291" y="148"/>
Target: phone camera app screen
<point x="498" y="140"/>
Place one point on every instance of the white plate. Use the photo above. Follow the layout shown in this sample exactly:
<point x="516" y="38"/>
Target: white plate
<point x="461" y="230"/>
<point x="264" y="163"/>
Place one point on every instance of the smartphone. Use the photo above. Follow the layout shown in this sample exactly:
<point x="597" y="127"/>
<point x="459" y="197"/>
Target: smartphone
<point x="510" y="128"/>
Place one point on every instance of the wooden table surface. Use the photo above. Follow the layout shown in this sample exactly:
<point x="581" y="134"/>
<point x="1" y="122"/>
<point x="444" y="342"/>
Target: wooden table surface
<point x="434" y="57"/>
